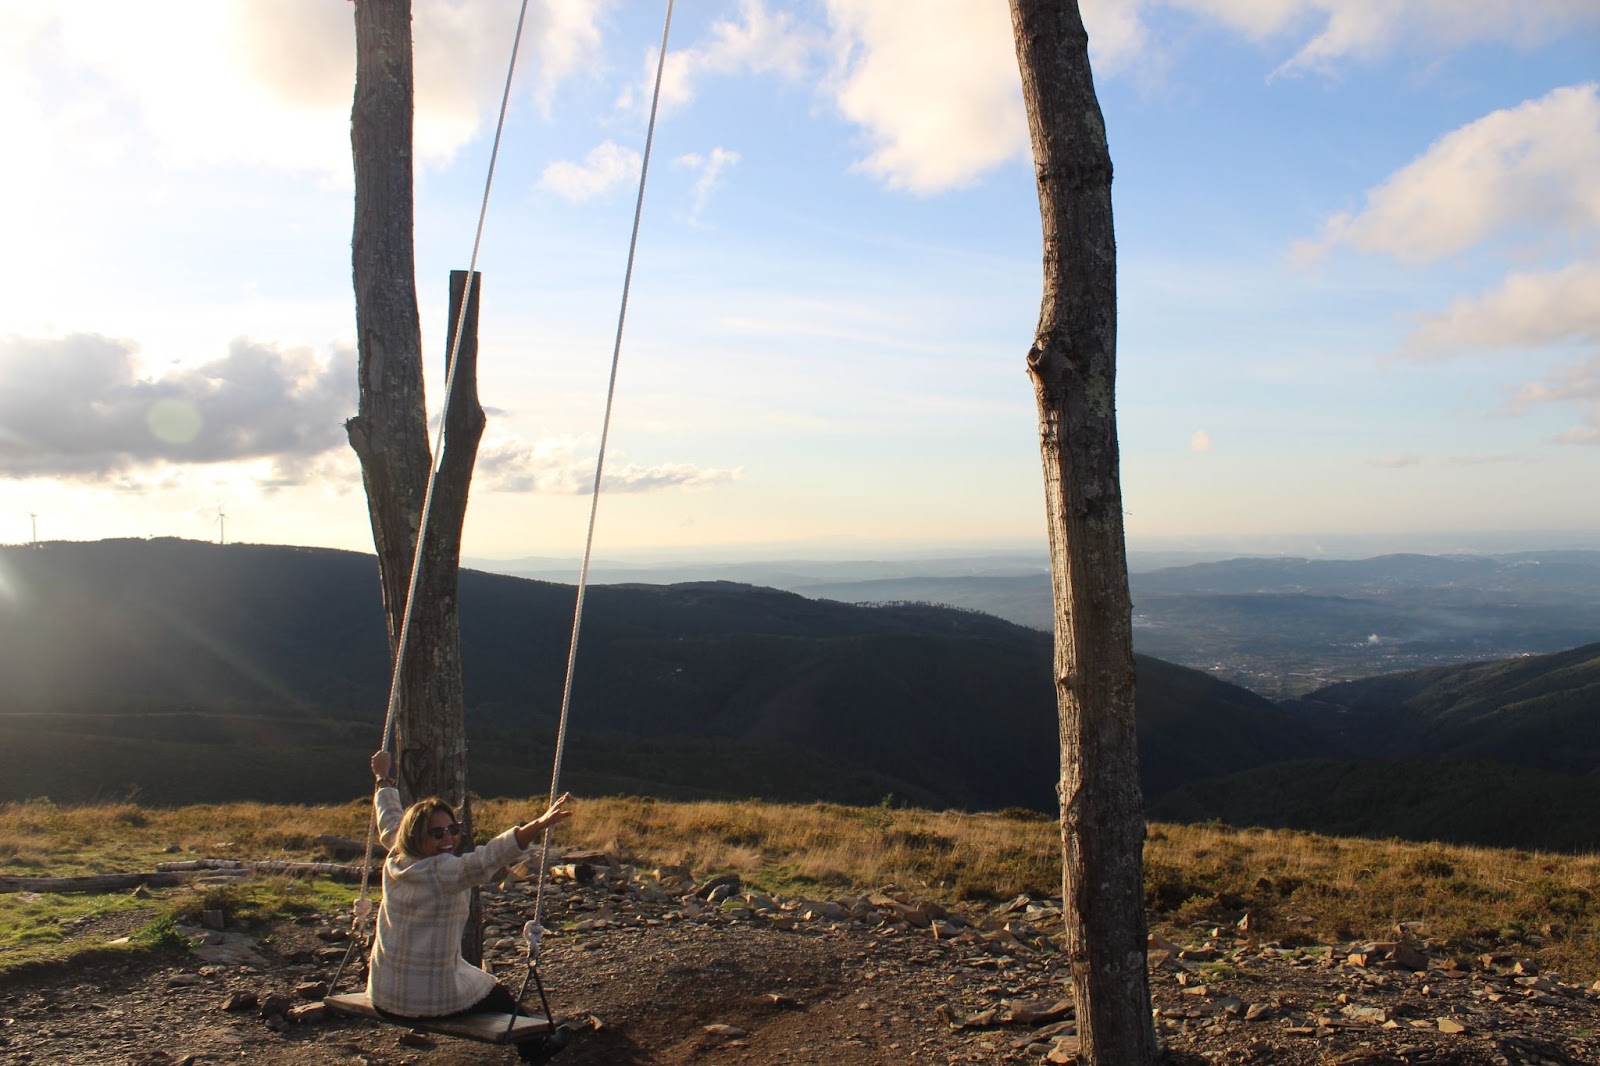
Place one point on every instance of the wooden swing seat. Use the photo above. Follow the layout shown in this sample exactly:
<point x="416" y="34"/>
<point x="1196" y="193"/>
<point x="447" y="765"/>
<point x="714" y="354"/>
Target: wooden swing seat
<point x="484" y="1028"/>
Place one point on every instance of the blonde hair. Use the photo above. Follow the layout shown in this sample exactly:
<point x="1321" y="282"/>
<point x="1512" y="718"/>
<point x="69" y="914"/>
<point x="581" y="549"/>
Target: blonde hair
<point x="412" y="838"/>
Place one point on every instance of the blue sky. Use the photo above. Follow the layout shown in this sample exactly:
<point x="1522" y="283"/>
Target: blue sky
<point x="1358" y="251"/>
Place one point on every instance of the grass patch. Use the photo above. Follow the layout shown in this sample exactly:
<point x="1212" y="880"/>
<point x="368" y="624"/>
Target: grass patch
<point x="1299" y="889"/>
<point x="50" y="927"/>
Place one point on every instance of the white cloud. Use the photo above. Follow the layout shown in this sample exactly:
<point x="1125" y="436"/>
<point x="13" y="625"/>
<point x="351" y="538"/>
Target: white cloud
<point x="710" y="169"/>
<point x="1116" y="33"/>
<point x="1587" y="432"/>
<point x="1487" y="460"/>
<point x="1528" y="310"/>
<point x="1535" y="165"/>
<point x="1363" y="29"/>
<point x="1578" y="385"/>
<point x="1396" y="462"/>
<point x="758" y="42"/>
<point x="1525" y="178"/>
<point x="1200" y="442"/>
<point x="606" y="166"/>
<point x="562" y="466"/>
<point x="1324" y="33"/>
<point x="1580" y="382"/>
<point x="247" y="82"/>
<point x="938" y="95"/>
<point x="81" y="408"/>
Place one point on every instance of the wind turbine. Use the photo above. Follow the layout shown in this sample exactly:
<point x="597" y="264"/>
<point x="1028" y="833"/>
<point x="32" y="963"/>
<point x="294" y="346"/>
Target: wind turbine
<point x="222" y="526"/>
<point x="34" y="542"/>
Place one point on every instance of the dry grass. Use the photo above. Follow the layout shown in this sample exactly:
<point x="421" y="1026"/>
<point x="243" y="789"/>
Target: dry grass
<point x="1296" y="887"/>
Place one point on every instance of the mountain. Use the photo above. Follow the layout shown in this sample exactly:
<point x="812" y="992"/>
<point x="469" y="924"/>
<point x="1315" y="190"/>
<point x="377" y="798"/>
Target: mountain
<point x="1504" y="753"/>
<point x="1540" y="711"/>
<point x="1283" y="626"/>
<point x="186" y="671"/>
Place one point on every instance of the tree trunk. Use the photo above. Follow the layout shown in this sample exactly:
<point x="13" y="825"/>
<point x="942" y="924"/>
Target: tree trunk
<point x="1072" y="365"/>
<point x="390" y="430"/>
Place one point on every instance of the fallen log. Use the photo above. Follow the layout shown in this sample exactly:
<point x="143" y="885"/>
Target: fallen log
<point x="177" y="873"/>
<point x="94" y="882"/>
<point x="200" y="864"/>
<point x="336" y="871"/>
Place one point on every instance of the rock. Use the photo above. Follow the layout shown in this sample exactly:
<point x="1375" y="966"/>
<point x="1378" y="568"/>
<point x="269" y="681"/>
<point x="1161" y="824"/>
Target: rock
<point x="1036" y="1012"/>
<point x="232" y="949"/>
<point x="1451" y="1025"/>
<point x="1020" y="903"/>
<point x="1039" y="1036"/>
<point x="213" y="919"/>
<point x="727" y="1032"/>
<point x="307" y="1013"/>
<point x="672" y="874"/>
<point x="579" y="872"/>
<point x="275" y="1004"/>
<point x="1156" y="942"/>
<point x="1370" y="1015"/>
<point x="240" y="1000"/>
<point x="1406" y="957"/>
<point x="732" y="882"/>
<point x="1063" y="1052"/>
<point x="1232" y="1006"/>
<point x="312" y="990"/>
<point x="414" y="1038"/>
<point x="984" y="1019"/>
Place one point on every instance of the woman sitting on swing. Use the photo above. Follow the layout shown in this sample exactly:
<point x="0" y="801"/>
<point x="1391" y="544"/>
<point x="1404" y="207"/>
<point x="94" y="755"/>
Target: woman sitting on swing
<point x="416" y="969"/>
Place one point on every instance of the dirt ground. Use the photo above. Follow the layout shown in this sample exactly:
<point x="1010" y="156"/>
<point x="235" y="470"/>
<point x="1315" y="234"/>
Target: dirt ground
<point x="652" y="975"/>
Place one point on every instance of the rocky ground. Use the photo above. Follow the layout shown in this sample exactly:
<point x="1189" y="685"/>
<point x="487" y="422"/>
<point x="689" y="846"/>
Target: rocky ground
<point x="652" y="968"/>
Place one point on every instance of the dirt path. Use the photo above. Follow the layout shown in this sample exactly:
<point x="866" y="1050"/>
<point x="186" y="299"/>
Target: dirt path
<point x="659" y="978"/>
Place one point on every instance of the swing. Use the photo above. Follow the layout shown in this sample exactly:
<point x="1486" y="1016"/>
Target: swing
<point x="537" y="1036"/>
<point x="485" y="1028"/>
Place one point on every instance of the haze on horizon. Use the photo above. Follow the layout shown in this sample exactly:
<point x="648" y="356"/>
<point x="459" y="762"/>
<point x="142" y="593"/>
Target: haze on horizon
<point x="1359" y="252"/>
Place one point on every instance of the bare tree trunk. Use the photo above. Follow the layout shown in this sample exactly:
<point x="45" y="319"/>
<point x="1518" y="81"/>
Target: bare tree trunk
<point x="390" y="430"/>
<point x="1072" y="365"/>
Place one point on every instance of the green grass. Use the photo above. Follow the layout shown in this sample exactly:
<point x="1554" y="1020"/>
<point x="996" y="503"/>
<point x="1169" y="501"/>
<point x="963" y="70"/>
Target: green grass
<point x="50" y="927"/>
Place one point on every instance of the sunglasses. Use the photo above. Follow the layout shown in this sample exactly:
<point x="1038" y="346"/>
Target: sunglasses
<point x="438" y="832"/>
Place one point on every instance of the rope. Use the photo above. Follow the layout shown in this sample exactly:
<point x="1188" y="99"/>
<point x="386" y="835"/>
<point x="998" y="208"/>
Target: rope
<point x="362" y="907"/>
<point x="600" y="460"/>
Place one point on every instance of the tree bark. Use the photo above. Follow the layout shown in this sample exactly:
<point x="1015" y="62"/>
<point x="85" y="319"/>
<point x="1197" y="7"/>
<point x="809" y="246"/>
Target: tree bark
<point x="1072" y="365"/>
<point x="390" y="430"/>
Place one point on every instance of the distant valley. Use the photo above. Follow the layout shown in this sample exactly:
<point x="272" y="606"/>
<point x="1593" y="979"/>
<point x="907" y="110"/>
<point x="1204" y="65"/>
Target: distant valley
<point x="1284" y="626"/>
<point x="176" y="671"/>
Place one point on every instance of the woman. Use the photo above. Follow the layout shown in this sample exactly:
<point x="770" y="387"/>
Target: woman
<point x="416" y="969"/>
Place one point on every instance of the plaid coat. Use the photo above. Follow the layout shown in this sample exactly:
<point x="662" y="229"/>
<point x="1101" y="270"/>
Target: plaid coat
<point x="417" y="969"/>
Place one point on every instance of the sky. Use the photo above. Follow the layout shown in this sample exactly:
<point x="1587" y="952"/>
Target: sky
<point x="1358" y="271"/>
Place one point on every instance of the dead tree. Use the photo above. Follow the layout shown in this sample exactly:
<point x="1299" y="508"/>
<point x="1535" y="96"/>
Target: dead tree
<point x="390" y="430"/>
<point x="1072" y="365"/>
